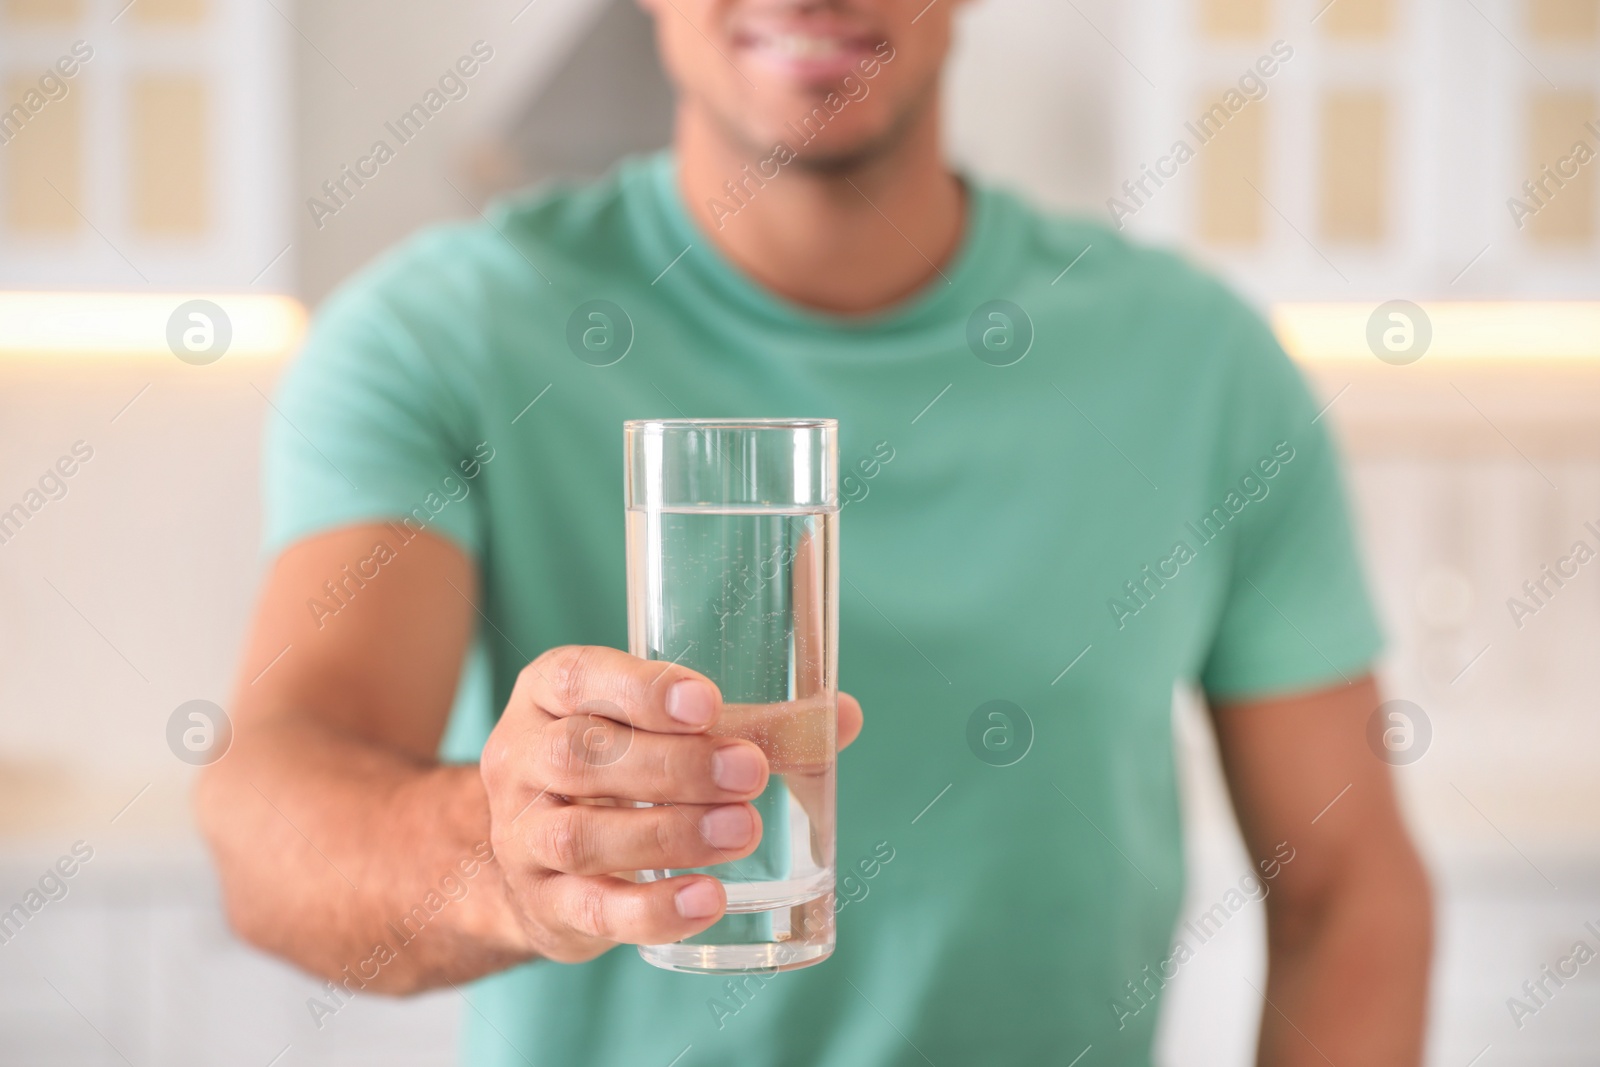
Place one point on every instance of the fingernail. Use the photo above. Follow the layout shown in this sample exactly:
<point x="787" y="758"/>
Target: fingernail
<point x="736" y="768"/>
<point x="698" y="899"/>
<point x="729" y="826"/>
<point x="691" y="702"/>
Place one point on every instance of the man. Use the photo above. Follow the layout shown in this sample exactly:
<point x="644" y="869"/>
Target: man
<point x="1070" y="491"/>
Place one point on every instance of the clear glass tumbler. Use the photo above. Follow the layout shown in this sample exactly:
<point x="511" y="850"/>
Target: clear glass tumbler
<point x="733" y="570"/>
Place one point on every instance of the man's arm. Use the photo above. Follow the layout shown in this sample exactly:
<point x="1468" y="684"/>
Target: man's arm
<point x="1349" y="918"/>
<point x="329" y="817"/>
<point x="345" y="847"/>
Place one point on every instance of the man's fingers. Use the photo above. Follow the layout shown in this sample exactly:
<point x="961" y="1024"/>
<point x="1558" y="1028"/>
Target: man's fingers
<point x="634" y="913"/>
<point x="587" y="839"/>
<point x="594" y="680"/>
<point x="850" y="720"/>
<point x="587" y="756"/>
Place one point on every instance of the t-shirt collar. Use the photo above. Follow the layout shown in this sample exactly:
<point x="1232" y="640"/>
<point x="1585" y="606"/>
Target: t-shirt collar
<point x="964" y="283"/>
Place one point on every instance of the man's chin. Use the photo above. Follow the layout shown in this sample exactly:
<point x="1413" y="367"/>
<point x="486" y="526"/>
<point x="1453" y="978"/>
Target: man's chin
<point x="835" y="160"/>
<point x="851" y="138"/>
<point x="838" y="147"/>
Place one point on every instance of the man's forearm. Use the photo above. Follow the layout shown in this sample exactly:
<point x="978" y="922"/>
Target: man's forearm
<point x="1348" y="979"/>
<point x="356" y="862"/>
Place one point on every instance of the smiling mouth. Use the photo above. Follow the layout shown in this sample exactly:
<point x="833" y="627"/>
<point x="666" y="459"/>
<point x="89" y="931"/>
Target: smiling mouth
<point x="808" y="56"/>
<point x="805" y="46"/>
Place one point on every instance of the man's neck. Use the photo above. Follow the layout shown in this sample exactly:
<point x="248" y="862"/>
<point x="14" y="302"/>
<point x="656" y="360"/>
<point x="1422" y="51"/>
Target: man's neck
<point x="849" y="242"/>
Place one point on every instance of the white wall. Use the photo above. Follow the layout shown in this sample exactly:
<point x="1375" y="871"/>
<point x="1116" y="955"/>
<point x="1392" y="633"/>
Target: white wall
<point x="393" y="54"/>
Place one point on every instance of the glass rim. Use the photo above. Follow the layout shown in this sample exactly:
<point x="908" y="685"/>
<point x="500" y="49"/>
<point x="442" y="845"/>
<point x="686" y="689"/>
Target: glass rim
<point x="659" y="425"/>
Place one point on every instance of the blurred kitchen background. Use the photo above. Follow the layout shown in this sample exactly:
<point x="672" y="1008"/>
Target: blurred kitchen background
<point x="1382" y="162"/>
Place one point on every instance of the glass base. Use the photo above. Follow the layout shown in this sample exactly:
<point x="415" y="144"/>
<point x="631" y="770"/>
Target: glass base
<point x="733" y="959"/>
<point x="761" y="942"/>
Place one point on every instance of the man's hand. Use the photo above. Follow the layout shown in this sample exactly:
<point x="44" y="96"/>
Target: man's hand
<point x="587" y="726"/>
<point x="331" y="817"/>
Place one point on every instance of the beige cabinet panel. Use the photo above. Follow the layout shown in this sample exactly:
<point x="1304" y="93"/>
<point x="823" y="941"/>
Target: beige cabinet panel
<point x="169" y="12"/>
<point x="1229" y="210"/>
<point x="1235" y="18"/>
<point x="169" y="173"/>
<point x="1354" y="164"/>
<point x="41" y="11"/>
<point x="1357" y="19"/>
<point x="1564" y="20"/>
<point x="43" y="163"/>
<point x="1555" y="128"/>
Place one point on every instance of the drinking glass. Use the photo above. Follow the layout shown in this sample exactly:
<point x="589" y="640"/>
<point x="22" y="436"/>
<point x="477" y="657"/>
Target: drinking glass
<point x="733" y="570"/>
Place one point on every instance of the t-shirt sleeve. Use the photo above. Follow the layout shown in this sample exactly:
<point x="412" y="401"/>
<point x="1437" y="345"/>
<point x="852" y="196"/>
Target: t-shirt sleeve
<point x="1296" y="615"/>
<point x="363" y="428"/>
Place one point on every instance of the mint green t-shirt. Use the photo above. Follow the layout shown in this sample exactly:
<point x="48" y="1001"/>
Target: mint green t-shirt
<point x="1068" y="490"/>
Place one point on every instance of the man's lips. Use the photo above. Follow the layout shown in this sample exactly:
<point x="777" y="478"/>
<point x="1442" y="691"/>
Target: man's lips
<point x="812" y="55"/>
